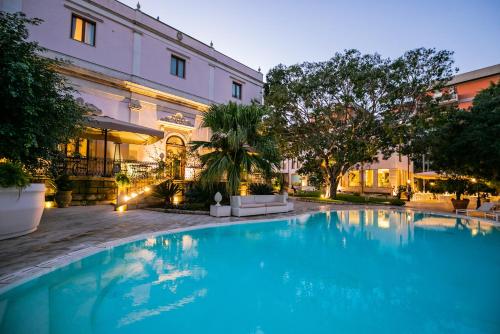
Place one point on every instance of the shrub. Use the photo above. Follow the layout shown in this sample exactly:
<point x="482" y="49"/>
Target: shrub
<point x="397" y="201"/>
<point x="301" y="193"/>
<point x="166" y="191"/>
<point x="63" y="183"/>
<point x="260" y="189"/>
<point x="13" y="175"/>
<point x="196" y="193"/>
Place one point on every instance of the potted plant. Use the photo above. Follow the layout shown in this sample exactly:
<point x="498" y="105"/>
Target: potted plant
<point x="21" y="203"/>
<point x="122" y="180"/>
<point x="64" y="190"/>
<point x="459" y="186"/>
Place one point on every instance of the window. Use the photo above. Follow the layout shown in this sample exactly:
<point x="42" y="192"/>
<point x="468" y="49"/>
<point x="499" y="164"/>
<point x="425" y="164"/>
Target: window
<point x="354" y="180"/>
<point x="383" y="178"/>
<point x="82" y="30"/>
<point x="178" y="67"/>
<point x="369" y="178"/>
<point x="236" y="90"/>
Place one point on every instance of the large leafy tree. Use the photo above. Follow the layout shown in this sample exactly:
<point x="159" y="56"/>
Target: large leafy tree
<point x="467" y="142"/>
<point x="239" y="144"/>
<point x="328" y="113"/>
<point x="38" y="108"/>
<point x="344" y="111"/>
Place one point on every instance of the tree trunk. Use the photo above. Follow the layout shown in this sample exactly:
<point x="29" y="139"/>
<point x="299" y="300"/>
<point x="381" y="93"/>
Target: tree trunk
<point x="333" y="182"/>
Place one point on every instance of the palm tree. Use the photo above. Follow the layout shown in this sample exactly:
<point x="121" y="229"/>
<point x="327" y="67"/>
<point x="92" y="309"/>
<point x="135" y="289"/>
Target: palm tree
<point x="239" y="144"/>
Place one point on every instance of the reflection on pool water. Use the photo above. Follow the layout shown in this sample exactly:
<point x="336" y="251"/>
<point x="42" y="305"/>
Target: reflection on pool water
<point x="373" y="271"/>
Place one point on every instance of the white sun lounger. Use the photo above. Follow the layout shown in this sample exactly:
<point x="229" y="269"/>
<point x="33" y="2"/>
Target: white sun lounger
<point x="486" y="210"/>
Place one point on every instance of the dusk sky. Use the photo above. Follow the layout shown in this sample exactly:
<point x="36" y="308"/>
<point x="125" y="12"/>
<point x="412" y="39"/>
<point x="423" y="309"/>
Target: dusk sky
<point x="266" y="33"/>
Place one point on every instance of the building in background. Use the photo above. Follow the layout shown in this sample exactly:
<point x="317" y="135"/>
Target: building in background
<point x="464" y="87"/>
<point x="146" y="83"/>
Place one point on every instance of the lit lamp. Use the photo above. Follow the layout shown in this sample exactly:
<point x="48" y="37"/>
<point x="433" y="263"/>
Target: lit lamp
<point x="218" y="198"/>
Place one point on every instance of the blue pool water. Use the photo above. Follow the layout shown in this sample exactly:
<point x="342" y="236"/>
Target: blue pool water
<point x="372" y="271"/>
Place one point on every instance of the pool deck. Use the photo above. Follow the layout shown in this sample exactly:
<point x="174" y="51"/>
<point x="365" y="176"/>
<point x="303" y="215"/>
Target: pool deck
<point x="67" y="234"/>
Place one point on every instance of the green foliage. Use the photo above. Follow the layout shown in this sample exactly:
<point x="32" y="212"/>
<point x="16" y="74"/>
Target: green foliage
<point x="301" y="193"/>
<point x="457" y="185"/>
<point x="436" y="187"/>
<point x="468" y="142"/>
<point x="337" y="113"/>
<point x="261" y="189"/>
<point x="63" y="183"/>
<point x="38" y="108"/>
<point x="397" y="202"/>
<point x="197" y="193"/>
<point x="410" y="108"/>
<point x="166" y="191"/>
<point x="122" y="180"/>
<point x="239" y="144"/>
<point x="12" y="174"/>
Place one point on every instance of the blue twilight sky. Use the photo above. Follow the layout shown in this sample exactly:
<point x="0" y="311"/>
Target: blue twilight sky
<point x="265" y="32"/>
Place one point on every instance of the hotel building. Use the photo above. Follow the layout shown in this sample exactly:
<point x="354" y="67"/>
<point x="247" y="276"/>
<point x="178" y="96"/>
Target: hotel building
<point x="146" y="83"/>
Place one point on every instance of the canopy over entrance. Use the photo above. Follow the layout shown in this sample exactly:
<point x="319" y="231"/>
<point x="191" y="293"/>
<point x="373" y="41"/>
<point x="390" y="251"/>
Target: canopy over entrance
<point x="107" y="128"/>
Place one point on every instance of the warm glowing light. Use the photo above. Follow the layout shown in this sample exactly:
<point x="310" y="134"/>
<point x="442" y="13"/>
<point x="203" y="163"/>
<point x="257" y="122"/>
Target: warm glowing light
<point x="432" y="183"/>
<point x="408" y="181"/>
<point x="322" y="196"/>
<point x="473" y="180"/>
<point x="150" y="241"/>
<point x="122" y="208"/>
<point x="147" y="189"/>
<point x="187" y="242"/>
<point x="49" y="204"/>
<point x="126" y="198"/>
<point x="176" y="200"/>
<point x="133" y="195"/>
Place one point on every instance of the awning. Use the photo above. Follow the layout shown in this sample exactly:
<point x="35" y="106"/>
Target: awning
<point x="430" y="175"/>
<point x="120" y="131"/>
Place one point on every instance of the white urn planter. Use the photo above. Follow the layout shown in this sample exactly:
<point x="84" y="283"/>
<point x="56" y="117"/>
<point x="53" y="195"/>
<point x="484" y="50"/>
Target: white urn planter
<point x="20" y="211"/>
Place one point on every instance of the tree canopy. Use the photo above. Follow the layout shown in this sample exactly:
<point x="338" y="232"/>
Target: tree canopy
<point x="467" y="142"/>
<point x="38" y="108"/>
<point x="337" y="113"/>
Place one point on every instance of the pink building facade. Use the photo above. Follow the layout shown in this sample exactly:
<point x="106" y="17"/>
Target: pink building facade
<point x="134" y="68"/>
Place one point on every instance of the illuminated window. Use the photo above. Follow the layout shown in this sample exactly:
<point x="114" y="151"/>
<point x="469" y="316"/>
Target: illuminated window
<point x="178" y="67"/>
<point x="369" y="178"/>
<point x="383" y="178"/>
<point x="236" y="90"/>
<point x="82" y="30"/>
<point x="354" y="180"/>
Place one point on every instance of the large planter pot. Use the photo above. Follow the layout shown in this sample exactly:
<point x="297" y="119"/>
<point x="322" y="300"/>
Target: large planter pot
<point x="460" y="204"/>
<point x="63" y="198"/>
<point x="20" y="211"/>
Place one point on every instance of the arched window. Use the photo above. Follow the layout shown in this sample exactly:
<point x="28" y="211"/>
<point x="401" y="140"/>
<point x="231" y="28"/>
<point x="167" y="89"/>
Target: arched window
<point x="175" y="157"/>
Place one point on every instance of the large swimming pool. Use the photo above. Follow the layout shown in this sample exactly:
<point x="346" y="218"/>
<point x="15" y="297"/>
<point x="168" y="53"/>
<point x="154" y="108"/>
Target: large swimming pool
<point x="372" y="271"/>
